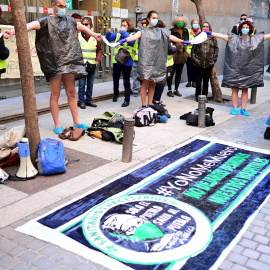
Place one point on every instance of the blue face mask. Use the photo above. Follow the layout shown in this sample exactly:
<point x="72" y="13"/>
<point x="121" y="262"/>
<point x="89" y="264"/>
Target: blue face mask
<point x="244" y="31"/>
<point x="61" y="12"/>
<point x="124" y="29"/>
<point x="154" y="22"/>
<point x="195" y="26"/>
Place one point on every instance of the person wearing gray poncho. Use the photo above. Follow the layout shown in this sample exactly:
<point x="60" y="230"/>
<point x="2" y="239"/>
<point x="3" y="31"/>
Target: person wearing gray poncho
<point x="60" y="56"/>
<point x="244" y="63"/>
<point x="153" y="52"/>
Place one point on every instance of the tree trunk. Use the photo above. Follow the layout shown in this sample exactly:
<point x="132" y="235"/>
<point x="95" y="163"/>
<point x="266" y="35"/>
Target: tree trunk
<point x="216" y="91"/>
<point x="27" y="78"/>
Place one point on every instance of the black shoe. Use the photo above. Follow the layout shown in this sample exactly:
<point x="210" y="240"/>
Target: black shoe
<point x="81" y="105"/>
<point x="206" y="101"/>
<point x="90" y="104"/>
<point x="177" y="93"/>
<point x="188" y="84"/>
<point x="267" y="134"/>
<point x="268" y="70"/>
<point x="170" y="93"/>
<point x="196" y="98"/>
<point x="194" y="84"/>
<point x="115" y="98"/>
<point x="125" y="104"/>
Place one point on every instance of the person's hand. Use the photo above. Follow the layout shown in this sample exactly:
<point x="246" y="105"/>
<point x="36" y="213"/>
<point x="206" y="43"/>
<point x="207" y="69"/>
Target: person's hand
<point x="186" y="42"/>
<point x="111" y="30"/>
<point x="119" y="30"/>
<point x="208" y="32"/>
<point x="97" y="62"/>
<point x="122" y="41"/>
<point x="8" y="33"/>
<point x="98" y="37"/>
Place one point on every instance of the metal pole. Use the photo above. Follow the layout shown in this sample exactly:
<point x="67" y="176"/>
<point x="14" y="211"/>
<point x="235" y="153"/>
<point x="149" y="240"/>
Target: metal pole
<point x="26" y="10"/>
<point x="201" y="111"/>
<point x="37" y="4"/>
<point x="253" y="95"/>
<point x="78" y="6"/>
<point x="128" y="140"/>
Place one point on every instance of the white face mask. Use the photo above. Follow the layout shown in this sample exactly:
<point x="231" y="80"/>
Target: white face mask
<point x="154" y="22"/>
<point x="61" y="12"/>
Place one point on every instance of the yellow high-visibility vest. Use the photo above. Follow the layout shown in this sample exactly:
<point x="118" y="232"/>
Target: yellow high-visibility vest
<point x="89" y="49"/>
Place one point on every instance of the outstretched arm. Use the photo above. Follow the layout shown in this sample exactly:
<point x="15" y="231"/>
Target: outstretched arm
<point x="266" y="36"/>
<point x="88" y="31"/>
<point x="35" y="25"/>
<point x="218" y="35"/>
<point x="134" y="37"/>
<point x="175" y="39"/>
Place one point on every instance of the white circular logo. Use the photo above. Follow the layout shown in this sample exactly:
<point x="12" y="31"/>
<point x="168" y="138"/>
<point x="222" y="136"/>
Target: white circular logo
<point x="147" y="229"/>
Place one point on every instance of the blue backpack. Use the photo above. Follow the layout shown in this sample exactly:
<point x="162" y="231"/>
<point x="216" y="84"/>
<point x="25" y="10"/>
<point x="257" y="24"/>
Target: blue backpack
<point x="51" y="157"/>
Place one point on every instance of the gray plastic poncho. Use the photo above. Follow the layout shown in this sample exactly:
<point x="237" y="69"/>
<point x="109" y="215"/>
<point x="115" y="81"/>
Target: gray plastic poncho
<point x="153" y="52"/>
<point x="244" y="62"/>
<point x="58" y="47"/>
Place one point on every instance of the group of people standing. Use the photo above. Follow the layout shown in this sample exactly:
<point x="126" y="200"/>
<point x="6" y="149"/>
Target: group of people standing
<point x="66" y="55"/>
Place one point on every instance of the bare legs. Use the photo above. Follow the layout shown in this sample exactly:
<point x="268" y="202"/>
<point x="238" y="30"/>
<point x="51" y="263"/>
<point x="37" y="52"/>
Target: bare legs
<point x="244" y="97"/>
<point x="69" y="84"/>
<point x="146" y="84"/>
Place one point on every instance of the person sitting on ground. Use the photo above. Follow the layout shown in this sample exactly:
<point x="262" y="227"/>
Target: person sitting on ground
<point x="243" y="17"/>
<point x="60" y="56"/>
<point x="244" y="63"/>
<point x="92" y="53"/>
<point x="204" y="57"/>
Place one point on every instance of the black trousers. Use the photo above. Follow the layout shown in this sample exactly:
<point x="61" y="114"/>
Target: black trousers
<point x="203" y="74"/>
<point x="177" y="69"/>
<point x="126" y="70"/>
<point x="191" y="70"/>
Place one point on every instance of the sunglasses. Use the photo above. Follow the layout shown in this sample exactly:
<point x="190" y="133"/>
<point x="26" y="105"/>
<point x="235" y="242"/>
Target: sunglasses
<point x="85" y="24"/>
<point x="243" y="19"/>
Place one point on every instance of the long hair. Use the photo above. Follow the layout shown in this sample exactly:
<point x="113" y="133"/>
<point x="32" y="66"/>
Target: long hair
<point x="87" y="19"/>
<point x="210" y="27"/>
<point x="251" y="27"/>
<point x="130" y="25"/>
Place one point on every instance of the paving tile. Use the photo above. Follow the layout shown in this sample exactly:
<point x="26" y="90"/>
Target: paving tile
<point x="21" y="266"/>
<point x="225" y="265"/>
<point x="251" y="253"/>
<point x="10" y="195"/>
<point x="261" y="239"/>
<point x="248" y="235"/>
<point x="263" y="249"/>
<point x="9" y="233"/>
<point x="44" y="264"/>
<point x="7" y="262"/>
<point x="238" y="267"/>
<point x="259" y="230"/>
<point x="248" y="243"/>
<point x="36" y="244"/>
<point x="254" y="264"/>
<point x="237" y="258"/>
<point x="28" y="256"/>
<point x="67" y="260"/>
<point x="6" y="245"/>
<point x="49" y="250"/>
<point x="265" y="259"/>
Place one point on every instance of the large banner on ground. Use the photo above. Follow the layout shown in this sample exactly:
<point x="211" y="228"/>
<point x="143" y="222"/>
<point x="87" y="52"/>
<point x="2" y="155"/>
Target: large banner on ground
<point x="184" y="210"/>
<point x="12" y="63"/>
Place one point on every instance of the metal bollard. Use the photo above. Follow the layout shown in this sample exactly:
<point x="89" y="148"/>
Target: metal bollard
<point x="253" y="95"/>
<point x="128" y="140"/>
<point x="201" y="111"/>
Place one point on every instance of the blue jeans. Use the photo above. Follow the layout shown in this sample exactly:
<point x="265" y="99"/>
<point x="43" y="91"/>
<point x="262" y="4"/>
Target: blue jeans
<point x="90" y="77"/>
<point x="268" y="121"/>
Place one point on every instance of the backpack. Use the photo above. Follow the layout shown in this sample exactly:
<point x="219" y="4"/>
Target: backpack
<point x="109" y="119"/>
<point x="109" y="127"/>
<point x="145" y="117"/>
<point x="51" y="157"/>
<point x="106" y="133"/>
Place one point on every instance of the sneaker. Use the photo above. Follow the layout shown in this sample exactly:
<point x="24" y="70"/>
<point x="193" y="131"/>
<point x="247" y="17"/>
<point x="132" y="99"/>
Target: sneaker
<point x="58" y="130"/>
<point x="81" y="125"/>
<point x="244" y="112"/>
<point x="234" y="111"/>
<point x="170" y="93"/>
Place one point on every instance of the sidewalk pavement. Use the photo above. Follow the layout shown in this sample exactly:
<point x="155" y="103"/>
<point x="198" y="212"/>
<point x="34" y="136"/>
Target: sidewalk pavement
<point x="102" y="162"/>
